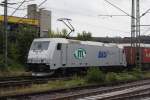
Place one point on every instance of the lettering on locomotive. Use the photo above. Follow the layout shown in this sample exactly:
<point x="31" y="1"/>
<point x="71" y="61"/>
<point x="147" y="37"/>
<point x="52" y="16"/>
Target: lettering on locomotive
<point x="102" y="54"/>
<point x="80" y="53"/>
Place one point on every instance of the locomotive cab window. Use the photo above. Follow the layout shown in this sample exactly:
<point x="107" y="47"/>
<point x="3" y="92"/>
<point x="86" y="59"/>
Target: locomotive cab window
<point x="40" y="45"/>
<point x="59" y="45"/>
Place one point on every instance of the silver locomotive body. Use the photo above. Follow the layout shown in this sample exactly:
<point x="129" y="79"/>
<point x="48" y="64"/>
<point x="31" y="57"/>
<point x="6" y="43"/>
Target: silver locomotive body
<point x="48" y="54"/>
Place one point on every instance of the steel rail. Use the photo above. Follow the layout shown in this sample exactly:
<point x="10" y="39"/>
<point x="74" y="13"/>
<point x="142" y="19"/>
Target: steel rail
<point x="14" y="82"/>
<point x="82" y="91"/>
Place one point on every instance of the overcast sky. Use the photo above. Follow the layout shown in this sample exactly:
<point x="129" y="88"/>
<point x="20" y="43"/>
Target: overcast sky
<point x="84" y="15"/>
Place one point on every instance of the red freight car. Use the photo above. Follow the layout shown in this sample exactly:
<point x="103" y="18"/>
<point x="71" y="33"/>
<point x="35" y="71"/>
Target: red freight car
<point x="146" y="55"/>
<point x="131" y="55"/>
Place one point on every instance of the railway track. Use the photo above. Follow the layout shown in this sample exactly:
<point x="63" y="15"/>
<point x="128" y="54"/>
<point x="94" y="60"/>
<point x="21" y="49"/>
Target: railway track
<point x="12" y="82"/>
<point x="88" y="92"/>
<point x="125" y="94"/>
<point x="100" y="93"/>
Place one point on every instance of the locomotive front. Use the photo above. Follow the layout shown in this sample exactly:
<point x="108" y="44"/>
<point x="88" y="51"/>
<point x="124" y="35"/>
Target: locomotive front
<point x="38" y="57"/>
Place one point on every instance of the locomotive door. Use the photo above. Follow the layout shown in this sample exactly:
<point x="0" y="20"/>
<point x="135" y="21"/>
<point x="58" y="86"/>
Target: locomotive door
<point x="64" y="54"/>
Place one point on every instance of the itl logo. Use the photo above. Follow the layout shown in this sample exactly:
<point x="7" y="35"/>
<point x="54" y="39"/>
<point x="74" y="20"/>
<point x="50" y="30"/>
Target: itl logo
<point x="80" y="53"/>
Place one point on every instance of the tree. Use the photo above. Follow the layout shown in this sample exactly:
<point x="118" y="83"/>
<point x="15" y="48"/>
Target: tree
<point x="58" y="34"/>
<point x="85" y="36"/>
<point x="20" y="38"/>
<point x="64" y="32"/>
<point x="25" y="37"/>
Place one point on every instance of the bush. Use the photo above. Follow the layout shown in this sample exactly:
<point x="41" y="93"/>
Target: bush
<point x="94" y="75"/>
<point x="2" y="62"/>
<point x="125" y="76"/>
<point x="112" y="77"/>
<point x="12" y="65"/>
<point x="137" y="73"/>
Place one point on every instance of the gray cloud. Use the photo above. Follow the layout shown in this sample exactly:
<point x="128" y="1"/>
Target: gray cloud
<point x="84" y="14"/>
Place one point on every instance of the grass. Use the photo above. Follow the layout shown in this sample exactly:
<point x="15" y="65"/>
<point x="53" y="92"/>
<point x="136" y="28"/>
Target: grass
<point x="13" y="73"/>
<point x="45" y="87"/>
<point x="13" y="69"/>
<point x="78" y="81"/>
<point x="94" y="75"/>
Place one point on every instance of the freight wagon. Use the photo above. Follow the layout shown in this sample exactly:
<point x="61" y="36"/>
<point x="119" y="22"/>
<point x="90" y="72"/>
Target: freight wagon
<point x="51" y="54"/>
<point x="131" y="55"/>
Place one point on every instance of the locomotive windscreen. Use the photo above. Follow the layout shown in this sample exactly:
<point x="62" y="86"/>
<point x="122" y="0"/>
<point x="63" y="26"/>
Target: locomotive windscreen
<point x="40" y="45"/>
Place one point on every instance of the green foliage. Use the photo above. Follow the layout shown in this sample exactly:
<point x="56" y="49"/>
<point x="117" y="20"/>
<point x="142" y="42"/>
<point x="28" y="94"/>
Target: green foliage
<point x="137" y="73"/>
<point x="125" y="76"/>
<point x="76" y="77"/>
<point x="58" y="34"/>
<point x="1" y="39"/>
<point x="64" y="32"/>
<point x="24" y="40"/>
<point x="112" y="77"/>
<point x="13" y="52"/>
<point x="19" y="41"/>
<point x="1" y="62"/>
<point x="94" y="75"/>
<point x="12" y="65"/>
<point x="84" y="36"/>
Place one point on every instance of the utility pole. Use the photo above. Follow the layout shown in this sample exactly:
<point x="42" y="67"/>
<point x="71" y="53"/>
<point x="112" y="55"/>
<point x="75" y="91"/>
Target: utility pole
<point x="133" y="25"/>
<point x="138" y="41"/>
<point x="133" y="30"/>
<point x="5" y="31"/>
<point x="5" y="34"/>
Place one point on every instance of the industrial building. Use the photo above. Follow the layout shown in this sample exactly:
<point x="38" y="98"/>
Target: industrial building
<point x="43" y="16"/>
<point x="39" y="19"/>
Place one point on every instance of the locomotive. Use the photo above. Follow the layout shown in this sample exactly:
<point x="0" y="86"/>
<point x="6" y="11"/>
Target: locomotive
<point x="47" y="55"/>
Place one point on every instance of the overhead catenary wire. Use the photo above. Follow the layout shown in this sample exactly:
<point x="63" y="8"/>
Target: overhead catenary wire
<point x="145" y="13"/>
<point x="38" y="7"/>
<point x="15" y="8"/>
<point x="113" y="15"/>
<point x="42" y="3"/>
<point x="145" y="32"/>
<point x="118" y="8"/>
<point x="18" y="8"/>
<point x="46" y="0"/>
<point x="25" y="1"/>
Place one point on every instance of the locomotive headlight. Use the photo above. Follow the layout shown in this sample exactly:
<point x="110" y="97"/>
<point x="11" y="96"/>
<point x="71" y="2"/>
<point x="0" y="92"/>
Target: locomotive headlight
<point x="43" y="61"/>
<point x="29" y="60"/>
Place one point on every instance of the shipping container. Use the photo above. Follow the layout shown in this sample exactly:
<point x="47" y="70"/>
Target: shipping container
<point x="131" y="55"/>
<point x="146" y="55"/>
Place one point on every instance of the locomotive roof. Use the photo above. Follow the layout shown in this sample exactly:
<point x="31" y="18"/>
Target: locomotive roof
<point x="63" y="40"/>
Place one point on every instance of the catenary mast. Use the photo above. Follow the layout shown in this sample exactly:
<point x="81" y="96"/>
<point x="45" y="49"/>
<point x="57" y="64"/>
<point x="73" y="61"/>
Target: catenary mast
<point x="138" y="42"/>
